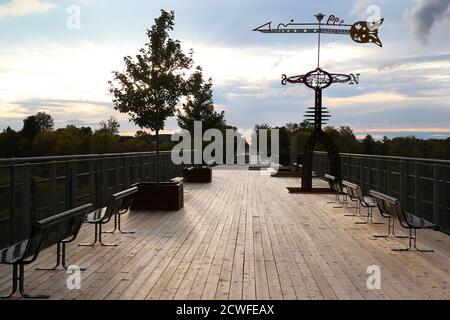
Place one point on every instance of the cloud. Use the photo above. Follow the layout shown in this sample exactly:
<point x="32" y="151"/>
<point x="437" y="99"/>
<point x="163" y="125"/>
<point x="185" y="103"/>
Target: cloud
<point x="17" y="8"/>
<point x="360" y="7"/>
<point x="425" y="15"/>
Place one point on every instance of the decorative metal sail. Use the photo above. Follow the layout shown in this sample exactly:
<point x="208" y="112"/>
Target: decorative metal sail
<point x="319" y="79"/>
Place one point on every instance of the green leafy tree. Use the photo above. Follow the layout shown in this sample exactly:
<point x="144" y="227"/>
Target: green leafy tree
<point x="200" y="105"/>
<point x="111" y="126"/>
<point x="45" y="122"/>
<point x="9" y="143"/>
<point x="152" y="83"/>
<point x="30" y="128"/>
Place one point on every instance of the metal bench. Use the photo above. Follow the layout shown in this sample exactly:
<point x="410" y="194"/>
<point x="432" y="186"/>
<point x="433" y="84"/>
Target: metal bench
<point x="355" y="194"/>
<point x="386" y="211"/>
<point x="124" y="208"/>
<point x="103" y="216"/>
<point x="392" y="209"/>
<point x="44" y="234"/>
<point x="338" y="188"/>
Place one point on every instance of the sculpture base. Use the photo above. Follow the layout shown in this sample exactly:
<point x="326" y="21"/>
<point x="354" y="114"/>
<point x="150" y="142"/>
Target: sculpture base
<point x="312" y="191"/>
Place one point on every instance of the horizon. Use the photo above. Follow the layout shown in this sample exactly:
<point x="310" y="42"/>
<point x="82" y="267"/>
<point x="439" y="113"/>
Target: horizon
<point x="403" y="91"/>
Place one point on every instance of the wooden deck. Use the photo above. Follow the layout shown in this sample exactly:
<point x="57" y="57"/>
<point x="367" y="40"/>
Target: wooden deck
<point x="245" y="237"/>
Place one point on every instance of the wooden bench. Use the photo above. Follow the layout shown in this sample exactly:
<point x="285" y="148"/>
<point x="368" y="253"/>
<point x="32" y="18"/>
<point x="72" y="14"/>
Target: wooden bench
<point x="355" y="194"/>
<point x="58" y="229"/>
<point x="392" y="209"/>
<point x="98" y="218"/>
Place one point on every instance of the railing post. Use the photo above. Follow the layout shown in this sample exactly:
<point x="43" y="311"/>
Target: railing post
<point x="54" y="187"/>
<point x="379" y="176"/>
<point x="24" y="220"/>
<point x="446" y="213"/>
<point x="103" y="183"/>
<point x="12" y="207"/>
<point x="92" y="189"/>
<point x="436" y="215"/>
<point x="142" y="169"/>
<point x="403" y="181"/>
<point x="117" y="171"/>
<point x="361" y="172"/>
<point x="74" y="184"/>
<point x="416" y="187"/>
<point x="388" y="176"/>
<point x="126" y="176"/>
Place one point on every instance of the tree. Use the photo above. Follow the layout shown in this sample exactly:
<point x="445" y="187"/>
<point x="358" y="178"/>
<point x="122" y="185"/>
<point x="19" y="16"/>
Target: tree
<point x="9" y="143"/>
<point x="200" y="105"/>
<point x="44" y="121"/>
<point x="152" y="83"/>
<point x="30" y="128"/>
<point x="111" y="126"/>
<point x="369" y="145"/>
<point x="33" y="125"/>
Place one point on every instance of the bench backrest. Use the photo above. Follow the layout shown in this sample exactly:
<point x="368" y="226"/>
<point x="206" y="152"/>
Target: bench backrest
<point x="334" y="183"/>
<point x="331" y="182"/>
<point x="50" y="231"/>
<point x="352" y="190"/>
<point x="119" y="203"/>
<point x="386" y="204"/>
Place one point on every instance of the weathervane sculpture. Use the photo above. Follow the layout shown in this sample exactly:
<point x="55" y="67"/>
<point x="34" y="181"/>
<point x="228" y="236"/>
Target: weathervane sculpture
<point x="318" y="79"/>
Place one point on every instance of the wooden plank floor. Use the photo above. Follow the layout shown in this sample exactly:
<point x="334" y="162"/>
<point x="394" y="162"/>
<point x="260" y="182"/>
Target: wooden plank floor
<point x="245" y="237"/>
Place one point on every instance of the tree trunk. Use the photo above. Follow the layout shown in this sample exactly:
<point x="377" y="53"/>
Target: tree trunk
<point x="157" y="176"/>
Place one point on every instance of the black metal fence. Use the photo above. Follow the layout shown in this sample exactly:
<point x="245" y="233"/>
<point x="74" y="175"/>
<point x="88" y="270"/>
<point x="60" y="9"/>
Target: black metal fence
<point x="422" y="185"/>
<point x="35" y="188"/>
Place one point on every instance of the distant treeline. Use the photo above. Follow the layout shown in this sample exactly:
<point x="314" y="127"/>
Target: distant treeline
<point x="38" y="138"/>
<point x="347" y="142"/>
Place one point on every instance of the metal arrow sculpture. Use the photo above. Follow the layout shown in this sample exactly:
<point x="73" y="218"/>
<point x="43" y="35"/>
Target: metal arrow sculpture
<point x="360" y="32"/>
<point x="318" y="79"/>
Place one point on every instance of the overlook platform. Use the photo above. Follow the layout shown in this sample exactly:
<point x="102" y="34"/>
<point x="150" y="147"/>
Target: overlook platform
<point x="245" y="237"/>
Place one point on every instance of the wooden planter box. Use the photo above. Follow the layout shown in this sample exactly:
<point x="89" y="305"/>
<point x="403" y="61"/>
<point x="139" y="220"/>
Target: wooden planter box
<point x="167" y="196"/>
<point x="198" y="175"/>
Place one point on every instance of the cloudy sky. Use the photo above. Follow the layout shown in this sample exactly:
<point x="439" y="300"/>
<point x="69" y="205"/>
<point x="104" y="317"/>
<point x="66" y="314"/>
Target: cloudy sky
<point x="48" y="64"/>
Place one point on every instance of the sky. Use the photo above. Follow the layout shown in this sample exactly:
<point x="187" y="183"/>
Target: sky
<point x="57" y="57"/>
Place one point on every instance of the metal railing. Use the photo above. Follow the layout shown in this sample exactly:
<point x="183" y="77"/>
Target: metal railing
<point x="35" y="188"/>
<point x="422" y="185"/>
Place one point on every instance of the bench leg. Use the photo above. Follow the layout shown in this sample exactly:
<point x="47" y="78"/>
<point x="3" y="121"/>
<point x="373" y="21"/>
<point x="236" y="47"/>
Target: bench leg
<point x="15" y="279"/>
<point x="63" y="258"/>
<point x="118" y="226"/>
<point x="95" y="238"/>
<point x="341" y="203"/>
<point x="100" y="238"/>
<point x="413" y="243"/>
<point x="115" y="225"/>
<point x="335" y="201"/>
<point x="22" y="289"/>
<point x="338" y="200"/>
<point x="58" y="260"/>
<point x="356" y="207"/>
<point x="391" y="231"/>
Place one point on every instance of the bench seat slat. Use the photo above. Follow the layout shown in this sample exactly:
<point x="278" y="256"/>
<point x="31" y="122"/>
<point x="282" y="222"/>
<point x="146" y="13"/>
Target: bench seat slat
<point x="13" y="253"/>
